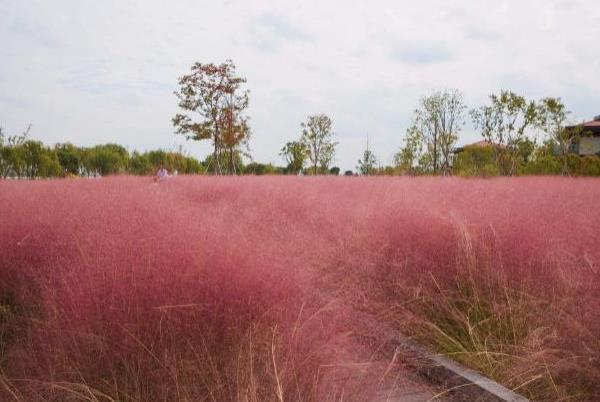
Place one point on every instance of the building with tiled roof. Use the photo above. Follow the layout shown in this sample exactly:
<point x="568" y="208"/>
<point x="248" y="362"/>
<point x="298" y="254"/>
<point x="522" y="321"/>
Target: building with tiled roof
<point x="589" y="142"/>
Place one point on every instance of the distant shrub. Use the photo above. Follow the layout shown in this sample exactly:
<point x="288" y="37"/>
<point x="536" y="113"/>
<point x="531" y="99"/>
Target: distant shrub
<point x="590" y="166"/>
<point x="475" y="161"/>
<point x="335" y="171"/>
<point x="69" y="157"/>
<point x="259" y="169"/>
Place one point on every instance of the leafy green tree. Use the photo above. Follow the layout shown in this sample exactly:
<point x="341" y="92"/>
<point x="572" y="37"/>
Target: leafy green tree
<point x="544" y="160"/>
<point x="11" y="153"/>
<point x="149" y="162"/>
<point x="35" y="160"/>
<point x="31" y="154"/>
<point x="318" y="137"/>
<point x="6" y="164"/>
<point x="387" y="171"/>
<point x="191" y="165"/>
<point x="213" y="104"/>
<point x="475" y="161"/>
<point x="236" y="131"/>
<point x="295" y="154"/>
<point x="69" y="157"/>
<point x="503" y="123"/>
<point x="180" y="163"/>
<point x="411" y="159"/>
<point x="106" y="159"/>
<point x="255" y="168"/>
<point x="367" y="165"/>
<point x="158" y="158"/>
<point x="87" y="167"/>
<point x="10" y="161"/>
<point x="50" y="165"/>
<point x="32" y="159"/>
<point x="259" y="169"/>
<point x="552" y="118"/>
<point x="525" y="148"/>
<point x="438" y="120"/>
<point x="139" y="164"/>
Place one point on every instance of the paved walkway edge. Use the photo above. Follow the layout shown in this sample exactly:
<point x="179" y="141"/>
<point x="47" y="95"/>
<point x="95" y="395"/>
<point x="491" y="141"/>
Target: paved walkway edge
<point x="451" y="375"/>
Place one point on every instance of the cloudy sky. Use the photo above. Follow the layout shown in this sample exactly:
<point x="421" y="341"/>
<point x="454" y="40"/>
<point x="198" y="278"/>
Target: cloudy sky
<point x="98" y="71"/>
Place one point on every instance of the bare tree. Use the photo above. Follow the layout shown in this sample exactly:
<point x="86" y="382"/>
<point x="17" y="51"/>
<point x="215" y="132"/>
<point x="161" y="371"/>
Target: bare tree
<point x="213" y="104"/>
<point x="318" y="137"/>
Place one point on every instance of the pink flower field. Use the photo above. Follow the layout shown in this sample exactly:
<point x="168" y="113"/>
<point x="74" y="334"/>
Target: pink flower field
<point x="293" y="288"/>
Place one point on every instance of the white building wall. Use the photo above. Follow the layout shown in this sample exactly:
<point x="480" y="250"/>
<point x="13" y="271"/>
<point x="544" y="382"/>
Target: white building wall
<point x="589" y="145"/>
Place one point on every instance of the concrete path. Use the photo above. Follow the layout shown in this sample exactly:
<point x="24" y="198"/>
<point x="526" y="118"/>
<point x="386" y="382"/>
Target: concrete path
<point x="411" y="388"/>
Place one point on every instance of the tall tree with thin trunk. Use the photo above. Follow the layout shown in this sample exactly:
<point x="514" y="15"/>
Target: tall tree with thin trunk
<point x="11" y="153"/>
<point x="213" y="103"/>
<point x="438" y="120"/>
<point x="409" y="160"/>
<point x="366" y="165"/>
<point x="553" y="118"/>
<point x="318" y="137"/>
<point x="235" y="129"/>
<point x="433" y="133"/>
<point x="295" y="154"/>
<point x="503" y="123"/>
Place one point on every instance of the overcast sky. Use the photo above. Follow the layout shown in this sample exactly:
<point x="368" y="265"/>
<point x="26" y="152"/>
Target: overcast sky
<point x="104" y="71"/>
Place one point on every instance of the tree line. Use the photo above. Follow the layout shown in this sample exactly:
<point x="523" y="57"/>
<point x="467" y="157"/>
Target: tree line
<point x="520" y="136"/>
<point x="24" y="158"/>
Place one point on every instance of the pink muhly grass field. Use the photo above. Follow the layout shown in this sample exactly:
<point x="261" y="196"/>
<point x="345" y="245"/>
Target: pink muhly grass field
<point x="291" y="288"/>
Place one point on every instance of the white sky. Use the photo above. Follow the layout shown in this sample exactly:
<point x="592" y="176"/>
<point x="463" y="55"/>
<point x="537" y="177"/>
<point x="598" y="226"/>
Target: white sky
<point x="97" y="71"/>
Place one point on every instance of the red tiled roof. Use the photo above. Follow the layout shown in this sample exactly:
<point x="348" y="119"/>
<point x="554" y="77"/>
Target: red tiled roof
<point x="591" y="127"/>
<point x="593" y="123"/>
<point x="479" y="144"/>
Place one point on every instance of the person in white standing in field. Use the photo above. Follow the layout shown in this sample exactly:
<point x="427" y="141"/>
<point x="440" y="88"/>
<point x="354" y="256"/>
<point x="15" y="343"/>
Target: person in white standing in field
<point x="161" y="174"/>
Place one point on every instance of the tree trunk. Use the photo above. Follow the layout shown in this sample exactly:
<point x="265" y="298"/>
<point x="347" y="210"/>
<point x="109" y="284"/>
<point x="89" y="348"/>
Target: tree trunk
<point x="435" y="140"/>
<point x="565" y="168"/>
<point x="217" y="165"/>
